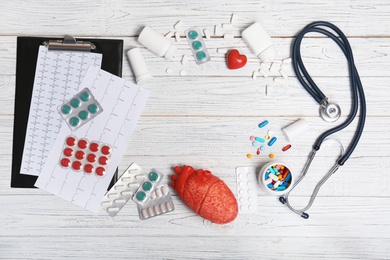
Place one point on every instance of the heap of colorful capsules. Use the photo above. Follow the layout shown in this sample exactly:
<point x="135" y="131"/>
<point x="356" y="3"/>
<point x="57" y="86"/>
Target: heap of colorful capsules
<point x="259" y="141"/>
<point x="277" y="177"/>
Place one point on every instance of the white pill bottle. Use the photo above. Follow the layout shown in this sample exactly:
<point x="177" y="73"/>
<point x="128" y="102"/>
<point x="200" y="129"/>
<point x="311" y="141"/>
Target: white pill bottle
<point x="157" y="43"/>
<point x="259" y="42"/>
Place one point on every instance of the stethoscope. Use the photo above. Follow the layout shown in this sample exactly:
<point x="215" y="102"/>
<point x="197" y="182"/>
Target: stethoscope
<point x="330" y="112"/>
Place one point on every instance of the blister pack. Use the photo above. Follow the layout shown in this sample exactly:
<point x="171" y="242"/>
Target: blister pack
<point x="80" y="109"/>
<point x="160" y="203"/>
<point x="197" y="45"/>
<point x="246" y="189"/>
<point x="83" y="155"/>
<point x="123" y="190"/>
<point x="145" y="190"/>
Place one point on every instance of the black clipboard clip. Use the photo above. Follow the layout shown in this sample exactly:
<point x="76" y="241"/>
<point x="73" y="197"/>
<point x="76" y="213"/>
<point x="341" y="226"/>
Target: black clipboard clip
<point x="70" y="44"/>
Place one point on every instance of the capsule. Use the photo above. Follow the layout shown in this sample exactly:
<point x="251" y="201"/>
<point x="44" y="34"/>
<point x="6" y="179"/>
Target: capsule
<point x="264" y="123"/>
<point x="272" y="141"/>
<point x="286" y="147"/>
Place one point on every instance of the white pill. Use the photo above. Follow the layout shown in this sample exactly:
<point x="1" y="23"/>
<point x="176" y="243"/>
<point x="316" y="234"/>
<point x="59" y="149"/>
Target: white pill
<point x="120" y="201"/>
<point x="183" y="73"/>
<point x="169" y="71"/>
<point x="177" y="37"/>
<point x="105" y="203"/>
<point x="228" y="36"/>
<point x="139" y="177"/>
<point x="126" y="179"/>
<point x="163" y="208"/>
<point x="233" y="18"/>
<point x="112" y="195"/>
<point x="184" y="59"/>
<point x="274" y="67"/>
<point x="153" y="196"/>
<point x="273" y="177"/>
<point x="217" y="30"/>
<point x="119" y="187"/>
<point x="127" y="193"/>
<point x="133" y="185"/>
<point x="270" y="133"/>
<point x="286" y="61"/>
<point x="144" y="213"/>
<point x="151" y="212"/>
<point x="227" y="25"/>
<point x="264" y="72"/>
<point x="222" y="51"/>
<point x="283" y="73"/>
<point x="254" y="75"/>
<point x="206" y="33"/>
<point x="158" y="192"/>
<point x="113" y="209"/>
<point x="178" y="25"/>
<point x="170" y="34"/>
<point x="164" y="190"/>
<point x="268" y="181"/>
<point x="276" y="184"/>
<point x="156" y="209"/>
<point x="169" y="205"/>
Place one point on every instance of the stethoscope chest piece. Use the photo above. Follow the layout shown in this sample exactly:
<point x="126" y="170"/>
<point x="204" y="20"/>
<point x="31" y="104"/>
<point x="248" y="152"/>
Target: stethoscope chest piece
<point x="330" y="112"/>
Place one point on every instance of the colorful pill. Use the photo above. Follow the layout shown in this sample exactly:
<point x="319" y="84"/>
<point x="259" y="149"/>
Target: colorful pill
<point x="91" y="157"/>
<point x="259" y="139"/>
<point x="65" y="162"/>
<point x="271" y="155"/>
<point x="272" y="141"/>
<point x="252" y="138"/>
<point x="68" y="152"/>
<point x="93" y="108"/>
<point x="141" y="196"/>
<point x="255" y="143"/>
<point x="249" y="155"/>
<point x="82" y="144"/>
<point x="281" y="188"/>
<point x="106" y="150"/>
<point x="288" y="177"/>
<point x="270" y="185"/>
<point x="263" y="148"/>
<point x="80" y="155"/>
<point x="75" y="102"/>
<point x="100" y="171"/>
<point x="94" y="147"/>
<point x="264" y="123"/>
<point x="76" y="165"/>
<point x="84" y="96"/>
<point x="103" y="160"/>
<point x="88" y="168"/>
<point x="258" y="151"/>
<point x="66" y="109"/>
<point x="74" y="121"/>
<point x="153" y="176"/>
<point x="286" y="147"/>
<point x="267" y="137"/>
<point x="83" y="115"/>
<point x="70" y="141"/>
<point x="147" y="186"/>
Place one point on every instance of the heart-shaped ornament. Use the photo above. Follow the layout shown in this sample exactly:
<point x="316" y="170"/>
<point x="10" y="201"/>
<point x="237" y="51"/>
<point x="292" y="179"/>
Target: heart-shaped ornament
<point x="235" y="60"/>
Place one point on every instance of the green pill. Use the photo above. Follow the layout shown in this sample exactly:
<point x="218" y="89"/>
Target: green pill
<point x="85" y="96"/>
<point x="74" y="121"/>
<point x="84" y="115"/>
<point x="93" y="108"/>
<point x="201" y="55"/>
<point x="141" y="196"/>
<point x="153" y="176"/>
<point x="75" y="102"/>
<point x="147" y="186"/>
<point x="192" y="35"/>
<point x="66" y="109"/>
<point x="197" y="45"/>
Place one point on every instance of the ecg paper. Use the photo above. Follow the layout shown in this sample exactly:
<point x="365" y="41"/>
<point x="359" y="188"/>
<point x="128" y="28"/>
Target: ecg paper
<point x="122" y="104"/>
<point x="57" y="78"/>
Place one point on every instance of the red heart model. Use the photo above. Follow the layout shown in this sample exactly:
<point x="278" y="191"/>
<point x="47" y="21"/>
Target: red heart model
<point x="235" y="60"/>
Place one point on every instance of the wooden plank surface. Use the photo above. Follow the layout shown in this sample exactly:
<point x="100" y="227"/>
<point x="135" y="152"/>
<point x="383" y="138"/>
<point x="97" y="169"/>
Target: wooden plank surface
<point x="205" y="119"/>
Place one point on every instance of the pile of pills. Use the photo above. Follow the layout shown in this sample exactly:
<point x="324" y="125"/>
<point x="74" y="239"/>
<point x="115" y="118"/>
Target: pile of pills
<point x="261" y="143"/>
<point x="82" y="155"/>
<point x="145" y="190"/>
<point x="277" y="177"/>
<point x="160" y="203"/>
<point x="81" y="109"/>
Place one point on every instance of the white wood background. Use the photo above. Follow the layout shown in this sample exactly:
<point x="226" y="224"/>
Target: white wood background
<point x="205" y="119"/>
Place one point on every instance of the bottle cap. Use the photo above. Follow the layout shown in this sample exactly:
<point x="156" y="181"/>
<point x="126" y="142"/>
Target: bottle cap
<point x="259" y="42"/>
<point x="295" y="129"/>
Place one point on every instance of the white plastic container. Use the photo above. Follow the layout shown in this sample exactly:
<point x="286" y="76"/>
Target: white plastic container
<point x="271" y="183"/>
<point x="157" y="43"/>
<point x="259" y="42"/>
<point x="138" y="66"/>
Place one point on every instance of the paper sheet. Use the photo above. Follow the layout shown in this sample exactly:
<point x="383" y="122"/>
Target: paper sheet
<point x="122" y="104"/>
<point x="57" y="78"/>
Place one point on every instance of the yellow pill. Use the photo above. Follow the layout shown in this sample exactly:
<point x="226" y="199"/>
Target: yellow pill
<point x="249" y="155"/>
<point x="267" y="137"/>
<point x="271" y="155"/>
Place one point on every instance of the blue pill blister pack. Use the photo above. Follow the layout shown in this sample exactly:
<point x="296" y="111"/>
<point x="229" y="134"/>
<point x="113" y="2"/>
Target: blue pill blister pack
<point x="198" y="48"/>
<point x="80" y="109"/>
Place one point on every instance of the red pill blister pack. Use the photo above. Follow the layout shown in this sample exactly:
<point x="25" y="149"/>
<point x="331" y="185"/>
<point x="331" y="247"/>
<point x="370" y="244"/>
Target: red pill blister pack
<point x="83" y="155"/>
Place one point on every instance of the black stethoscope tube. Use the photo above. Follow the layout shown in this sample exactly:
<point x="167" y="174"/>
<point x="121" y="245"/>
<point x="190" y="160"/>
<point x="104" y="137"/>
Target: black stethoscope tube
<point x="308" y="83"/>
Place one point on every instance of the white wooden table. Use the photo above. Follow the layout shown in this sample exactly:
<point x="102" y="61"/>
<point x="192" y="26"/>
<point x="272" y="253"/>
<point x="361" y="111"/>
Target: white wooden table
<point x="204" y="119"/>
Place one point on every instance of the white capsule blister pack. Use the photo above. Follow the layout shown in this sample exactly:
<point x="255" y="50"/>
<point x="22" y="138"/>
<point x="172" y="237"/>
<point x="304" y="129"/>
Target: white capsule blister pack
<point x="246" y="189"/>
<point x="123" y="189"/>
<point x="80" y="109"/>
<point x="144" y="193"/>
<point x="197" y="45"/>
<point x="160" y="203"/>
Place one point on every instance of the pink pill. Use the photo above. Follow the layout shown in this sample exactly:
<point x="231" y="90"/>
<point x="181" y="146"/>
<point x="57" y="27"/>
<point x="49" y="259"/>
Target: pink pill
<point x="252" y="138"/>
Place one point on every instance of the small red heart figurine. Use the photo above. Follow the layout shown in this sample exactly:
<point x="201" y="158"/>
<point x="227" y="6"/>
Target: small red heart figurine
<point x="235" y="60"/>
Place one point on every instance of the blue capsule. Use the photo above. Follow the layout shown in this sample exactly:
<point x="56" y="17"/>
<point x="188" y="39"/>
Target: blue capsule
<point x="264" y="123"/>
<point x="272" y="141"/>
<point x="281" y="188"/>
<point x="255" y="143"/>
<point x="270" y="185"/>
<point x="259" y="139"/>
<point x="288" y="177"/>
<point x="263" y="148"/>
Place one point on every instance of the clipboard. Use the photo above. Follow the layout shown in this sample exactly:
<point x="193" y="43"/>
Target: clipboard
<point x="26" y="58"/>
